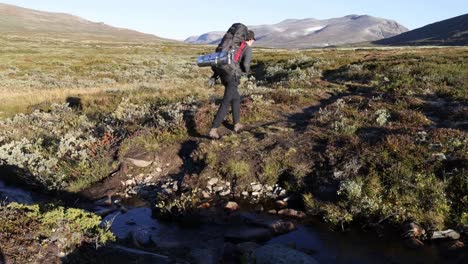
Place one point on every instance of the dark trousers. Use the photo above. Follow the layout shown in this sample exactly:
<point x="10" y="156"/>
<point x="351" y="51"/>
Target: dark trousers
<point x="231" y="97"/>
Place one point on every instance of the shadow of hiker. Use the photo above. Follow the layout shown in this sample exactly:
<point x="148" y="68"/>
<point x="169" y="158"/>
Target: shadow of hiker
<point x="2" y="257"/>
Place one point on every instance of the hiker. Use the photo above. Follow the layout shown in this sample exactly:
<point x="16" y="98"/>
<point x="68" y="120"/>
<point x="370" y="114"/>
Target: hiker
<point x="231" y="81"/>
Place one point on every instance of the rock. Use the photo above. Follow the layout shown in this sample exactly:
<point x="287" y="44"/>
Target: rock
<point x="243" y="234"/>
<point x="167" y="191"/>
<point x="414" y="243"/>
<point x="140" y="163"/>
<point x="206" y="195"/>
<point x="281" y="227"/>
<point x="292" y="213"/>
<point x="232" y="206"/>
<point x="447" y="234"/>
<point x="255" y="194"/>
<point x="225" y="193"/>
<point x="129" y="182"/>
<point x="273" y="211"/>
<point x="105" y="212"/>
<point x="203" y="256"/>
<point x="217" y="188"/>
<point x="141" y="159"/>
<point x="245" y="193"/>
<point x="141" y="237"/>
<point x="282" y="193"/>
<point x="204" y="205"/>
<point x="413" y="230"/>
<point x="452" y="246"/>
<point x="106" y="201"/>
<point x="278" y="254"/>
<point x="281" y="204"/>
<point x="213" y="181"/>
<point x="256" y="188"/>
<point x="277" y="227"/>
<point x="439" y="156"/>
<point x="259" y="208"/>
<point x="246" y="251"/>
<point x="158" y="170"/>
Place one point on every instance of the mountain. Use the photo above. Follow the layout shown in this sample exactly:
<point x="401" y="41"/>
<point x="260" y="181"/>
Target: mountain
<point x="306" y="33"/>
<point x="450" y="32"/>
<point x="23" y="21"/>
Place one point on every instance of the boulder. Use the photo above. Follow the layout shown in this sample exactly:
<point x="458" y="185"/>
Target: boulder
<point x="141" y="237"/>
<point x="278" y="254"/>
<point x="231" y="206"/>
<point x="292" y="213"/>
<point x="413" y="230"/>
<point x="140" y="157"/>
<point x="447" y="234"/>
<point x="212" y="181"/>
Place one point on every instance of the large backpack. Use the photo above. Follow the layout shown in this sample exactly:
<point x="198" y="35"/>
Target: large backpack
<point x="225" y="60"/>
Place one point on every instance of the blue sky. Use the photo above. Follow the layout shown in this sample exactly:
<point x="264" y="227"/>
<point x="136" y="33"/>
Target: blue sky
<point x="179" y="19"/>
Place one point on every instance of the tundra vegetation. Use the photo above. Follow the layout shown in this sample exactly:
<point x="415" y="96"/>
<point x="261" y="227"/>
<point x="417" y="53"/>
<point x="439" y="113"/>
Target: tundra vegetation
<point x="359" y="136"/>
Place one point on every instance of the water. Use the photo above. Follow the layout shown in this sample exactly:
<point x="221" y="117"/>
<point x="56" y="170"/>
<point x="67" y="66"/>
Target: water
<point x="318" y="240"/>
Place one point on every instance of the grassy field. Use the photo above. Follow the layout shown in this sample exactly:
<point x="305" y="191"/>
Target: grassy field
<point x="381" y="130"/>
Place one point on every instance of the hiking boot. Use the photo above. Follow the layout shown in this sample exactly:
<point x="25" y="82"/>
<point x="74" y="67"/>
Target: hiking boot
<point x="214" y="133"/>
<point x="238" y="127"/>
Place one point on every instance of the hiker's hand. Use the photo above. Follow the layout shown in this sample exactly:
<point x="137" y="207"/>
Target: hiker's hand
<point x="211" y="82"/>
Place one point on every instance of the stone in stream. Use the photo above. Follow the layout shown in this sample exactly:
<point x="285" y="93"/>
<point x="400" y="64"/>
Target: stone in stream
<point x="141" y="237"/>
<point x="279" y="254"/>
<point x="447" y="234"/>
<point x="231" y="206"/>
<point x="292" y="213"/>
<point x="246" y="251"/>
<point x="277" y="227"/>
<point x="280" y="204"/>
<point x="413" y="230"/>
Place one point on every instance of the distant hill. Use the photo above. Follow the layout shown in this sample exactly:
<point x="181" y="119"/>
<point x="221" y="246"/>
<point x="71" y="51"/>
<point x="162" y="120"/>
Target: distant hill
<point x="305" y="33"/>
<point x="450" y="32"/>
<point x="23" y="21"/>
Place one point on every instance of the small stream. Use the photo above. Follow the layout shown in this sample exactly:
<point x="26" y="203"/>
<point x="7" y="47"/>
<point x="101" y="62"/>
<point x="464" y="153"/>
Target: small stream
<point x="206" y="241"/>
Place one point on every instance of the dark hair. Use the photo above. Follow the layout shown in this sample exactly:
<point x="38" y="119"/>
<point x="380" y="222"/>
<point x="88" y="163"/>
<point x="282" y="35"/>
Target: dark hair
<point x="250" y="35"/>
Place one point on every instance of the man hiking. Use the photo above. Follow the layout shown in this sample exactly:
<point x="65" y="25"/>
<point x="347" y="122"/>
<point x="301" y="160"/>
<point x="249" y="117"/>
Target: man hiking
<point x="231" y="81"/>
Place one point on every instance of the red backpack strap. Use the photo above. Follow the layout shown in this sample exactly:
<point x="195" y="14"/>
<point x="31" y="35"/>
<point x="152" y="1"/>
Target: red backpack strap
<point x="239" y="51"/>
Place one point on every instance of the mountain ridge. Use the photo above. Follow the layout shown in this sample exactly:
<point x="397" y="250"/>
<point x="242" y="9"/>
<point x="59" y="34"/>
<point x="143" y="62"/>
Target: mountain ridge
<point x="449" y="32"/>
<point x="20" y="20"/>
<point x="311" y="32"/>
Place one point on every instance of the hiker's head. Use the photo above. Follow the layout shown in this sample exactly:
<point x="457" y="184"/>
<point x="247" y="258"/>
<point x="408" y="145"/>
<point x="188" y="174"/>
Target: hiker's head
<point x="250" y="38"/>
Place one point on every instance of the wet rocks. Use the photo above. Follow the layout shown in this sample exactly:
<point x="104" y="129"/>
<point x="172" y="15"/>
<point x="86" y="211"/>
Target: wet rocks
<point x="413" y="230"/>
<point x="292" y="213"/>
<point x="447" y="234"/>
<point x="231" y="206"/>
<point x="277" y="227"/>
<point x="278" y="254"/>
